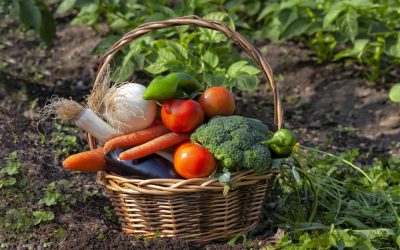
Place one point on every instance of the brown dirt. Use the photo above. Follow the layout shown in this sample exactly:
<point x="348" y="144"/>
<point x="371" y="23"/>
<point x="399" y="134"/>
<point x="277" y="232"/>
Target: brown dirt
<point x="327" y="105"/>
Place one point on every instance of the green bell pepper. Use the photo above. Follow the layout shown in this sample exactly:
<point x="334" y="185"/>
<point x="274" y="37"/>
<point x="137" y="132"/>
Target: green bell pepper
<point x="168" y="87"/>
<point x="282" y="142"/>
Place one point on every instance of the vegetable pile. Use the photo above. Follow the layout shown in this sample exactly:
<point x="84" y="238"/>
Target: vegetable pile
<point x="198" y="134"/>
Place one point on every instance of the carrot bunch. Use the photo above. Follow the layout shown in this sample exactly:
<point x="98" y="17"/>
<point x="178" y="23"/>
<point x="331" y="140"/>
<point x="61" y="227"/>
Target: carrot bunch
<point x="144" y="142"/>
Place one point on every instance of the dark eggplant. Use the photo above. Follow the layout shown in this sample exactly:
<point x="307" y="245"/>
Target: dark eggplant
<point x="151" y="167"/>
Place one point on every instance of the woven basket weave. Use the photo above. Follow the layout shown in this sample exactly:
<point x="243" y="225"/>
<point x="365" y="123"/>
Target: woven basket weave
<point x="196" y="209"/>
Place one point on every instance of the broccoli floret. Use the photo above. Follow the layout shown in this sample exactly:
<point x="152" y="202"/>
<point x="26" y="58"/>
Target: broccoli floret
<point x="258" y="157"/>
<point x="235" y="142"/>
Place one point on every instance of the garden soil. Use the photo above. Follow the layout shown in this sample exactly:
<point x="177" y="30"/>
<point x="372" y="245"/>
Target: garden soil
<point x="328" y="105"/>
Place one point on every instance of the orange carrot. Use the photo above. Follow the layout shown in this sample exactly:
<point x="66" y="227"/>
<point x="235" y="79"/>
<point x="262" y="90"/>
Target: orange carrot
<point x="157" y="144"/>
<point x="88" y="161"/>
<point x="136" y="138"/>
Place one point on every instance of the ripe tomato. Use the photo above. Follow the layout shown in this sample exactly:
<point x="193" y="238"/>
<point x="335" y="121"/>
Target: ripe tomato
<point x="217" y="101"/>
<point x="182" y="115"/>
<point x="193" y="161"/>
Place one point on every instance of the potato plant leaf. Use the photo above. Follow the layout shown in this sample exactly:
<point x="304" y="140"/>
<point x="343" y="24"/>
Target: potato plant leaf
<point x="65" y="6"/>
<point x="297" y="27"/>
<point x="42" y="216"/>
<point x="36" y="15"/>
<point x="348" y="24"/>
<point x="394" y="93"/>
<point x="333" y="12"/>
<point x="246" y="82"/>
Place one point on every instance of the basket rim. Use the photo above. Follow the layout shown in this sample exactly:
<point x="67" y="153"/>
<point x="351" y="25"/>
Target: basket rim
<point x="130" y="185"/>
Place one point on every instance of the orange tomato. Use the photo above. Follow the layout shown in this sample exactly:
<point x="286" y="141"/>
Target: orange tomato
<point x="182" y="115"/>
<point x="193" y="161"/>
<point x="217" y="101"/>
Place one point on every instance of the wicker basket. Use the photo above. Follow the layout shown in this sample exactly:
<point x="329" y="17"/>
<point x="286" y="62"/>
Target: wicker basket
<point x="196" y="209"/>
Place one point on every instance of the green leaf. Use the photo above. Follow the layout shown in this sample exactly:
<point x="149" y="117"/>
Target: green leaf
<point x="348" y="24"/>
<point x="269" y="8"/>
<point x="246" y="82"/>
<point x="119" y="24"/>
<point x="89" y="14"/>
<point x="296" y="28"/>
<point x="210" y="59"/>
<point x="250" y="70"/>
<point x="333" y="13"/>
<point x="370" y="234"/>
<point x="166" y="11"/>
<point x="30" y="14"/>
<point x="394" y="93"/>
<point x="287" y="16"/>
<point x="356" y="51"/>
<point x="65" y="6"/>
<point x="12" y="168"/>
<point x="392" y="46"/>
<point x="6" y="182"/>
<point x="398" y="240"/>
<point x="235" y="68"/>
<point x="50" y="199"/>
<point x="273" y="30"/>
<point x="156" y="68"/>
<point x="217" y="16"/>
<point x="215" y="80"/>
<point x="43" y="216"/>
<point x="179" y="49"/>
<point x="47" y="25"/>
<point x="252" y="8"/>
<point x="165" y="56"/>
<point x="105" y="44"/>
<point x="125" y="69"/>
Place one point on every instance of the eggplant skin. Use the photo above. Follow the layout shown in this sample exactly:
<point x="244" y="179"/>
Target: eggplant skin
<point x="149" y="167"/>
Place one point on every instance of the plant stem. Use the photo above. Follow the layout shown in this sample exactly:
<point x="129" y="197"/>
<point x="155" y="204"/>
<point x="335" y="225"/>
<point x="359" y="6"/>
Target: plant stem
<point x="386" y="198"/>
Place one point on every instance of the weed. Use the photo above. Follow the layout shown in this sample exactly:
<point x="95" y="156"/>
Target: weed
<point x="65" y="139"/>
<point x="10" y="171"/>
<point x="321" y="202"/>
<point x="22" y="220"/>
<point x="54" y="195"/>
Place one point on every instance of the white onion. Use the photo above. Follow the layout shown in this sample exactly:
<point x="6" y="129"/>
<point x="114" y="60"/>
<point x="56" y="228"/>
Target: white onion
<point x="127" y="111"/>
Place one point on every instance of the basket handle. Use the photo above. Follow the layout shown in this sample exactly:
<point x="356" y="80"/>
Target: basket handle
<point x="241" y="41"/>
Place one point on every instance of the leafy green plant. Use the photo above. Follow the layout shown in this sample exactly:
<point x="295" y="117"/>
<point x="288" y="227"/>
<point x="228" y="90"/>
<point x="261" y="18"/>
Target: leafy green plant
<point x="10" y="170"/>
<point x="327" y="201"/>
<point x="35" y="14"/>
<point x="363" y="31"/>
<point x="21" y="220"/>
<point x="54" y="195"/>
<point x="394" y="93"/>
<point x="65" y="137"/>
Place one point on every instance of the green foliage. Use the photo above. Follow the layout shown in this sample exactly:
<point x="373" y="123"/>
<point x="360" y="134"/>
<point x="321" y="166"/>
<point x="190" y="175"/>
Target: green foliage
<point x="65" y="139"/>
<point x="22" y="220"/>
<point x="363" y="31"/>
<point x="10" y="170"/>
<point x="55" y="195"/>
<point x="394" y="93"/>
<point x="327" y="203"/>
<point x="35" y="14"/>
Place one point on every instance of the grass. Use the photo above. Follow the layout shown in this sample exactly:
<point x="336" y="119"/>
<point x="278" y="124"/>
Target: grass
<point x="326" y="201"/>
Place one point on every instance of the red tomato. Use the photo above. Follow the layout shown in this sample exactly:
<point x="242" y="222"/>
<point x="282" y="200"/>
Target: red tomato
<point x="217" y="101"/>
<point x="193" y="161"/>
<point x="182" y="115"/>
